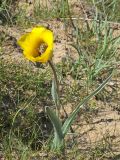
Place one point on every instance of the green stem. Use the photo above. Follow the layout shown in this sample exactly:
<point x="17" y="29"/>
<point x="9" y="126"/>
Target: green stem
<point x="56" y="81"/>
<point x="57" y="87"/>
<point x="55" y="75"/>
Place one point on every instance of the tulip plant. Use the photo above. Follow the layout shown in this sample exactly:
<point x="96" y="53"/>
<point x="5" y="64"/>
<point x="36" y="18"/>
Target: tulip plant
<point x="38" y="47"/>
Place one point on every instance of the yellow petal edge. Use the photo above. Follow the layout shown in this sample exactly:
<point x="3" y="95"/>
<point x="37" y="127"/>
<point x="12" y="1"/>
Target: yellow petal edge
<point x="30" y="43"/>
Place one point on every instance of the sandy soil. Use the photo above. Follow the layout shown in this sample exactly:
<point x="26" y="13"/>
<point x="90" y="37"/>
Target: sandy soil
<point x="105" y="126"/>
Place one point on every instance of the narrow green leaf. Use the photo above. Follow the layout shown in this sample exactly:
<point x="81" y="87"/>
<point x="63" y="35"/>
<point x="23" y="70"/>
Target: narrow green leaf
<point x="76" y="47"/>
<point x="58" y="135"/>
<point x="54" y="93"/>
<point x="72" y="117"/>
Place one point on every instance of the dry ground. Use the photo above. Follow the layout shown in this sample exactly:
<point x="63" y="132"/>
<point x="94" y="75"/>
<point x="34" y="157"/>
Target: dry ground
<point x="90" y="128"/>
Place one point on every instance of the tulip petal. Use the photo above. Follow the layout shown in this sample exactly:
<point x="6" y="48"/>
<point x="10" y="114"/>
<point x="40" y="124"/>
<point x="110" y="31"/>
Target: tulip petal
<point x="31" y="42"/>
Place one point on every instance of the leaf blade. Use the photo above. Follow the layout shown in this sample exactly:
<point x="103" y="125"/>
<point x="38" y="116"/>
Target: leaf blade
<point x="58" y="135"/>
<point x="73" y="115"/>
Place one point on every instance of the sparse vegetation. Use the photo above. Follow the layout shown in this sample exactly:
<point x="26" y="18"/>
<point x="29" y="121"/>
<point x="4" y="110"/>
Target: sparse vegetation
<point x="88" y="33"/>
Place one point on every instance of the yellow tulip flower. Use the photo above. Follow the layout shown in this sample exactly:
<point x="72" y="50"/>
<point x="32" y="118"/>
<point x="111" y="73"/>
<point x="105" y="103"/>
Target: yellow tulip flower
<point x="37" y="45"/>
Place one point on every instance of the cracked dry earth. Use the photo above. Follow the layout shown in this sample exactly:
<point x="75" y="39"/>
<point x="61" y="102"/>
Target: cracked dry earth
<point x="101" y="129"/>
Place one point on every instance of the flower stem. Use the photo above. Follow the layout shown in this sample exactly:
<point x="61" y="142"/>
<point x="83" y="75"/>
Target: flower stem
<point x="57" y="89"/>
<point x="56" y="82"/>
